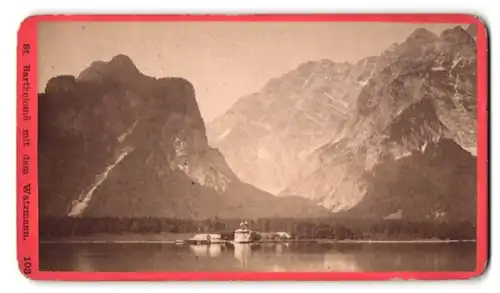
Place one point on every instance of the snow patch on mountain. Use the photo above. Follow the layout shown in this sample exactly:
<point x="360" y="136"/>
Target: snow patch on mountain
<point x="79" y="206"/>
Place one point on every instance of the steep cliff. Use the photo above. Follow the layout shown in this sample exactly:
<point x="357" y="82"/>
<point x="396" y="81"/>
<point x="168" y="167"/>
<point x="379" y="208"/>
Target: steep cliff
<point x="114" y="142"/>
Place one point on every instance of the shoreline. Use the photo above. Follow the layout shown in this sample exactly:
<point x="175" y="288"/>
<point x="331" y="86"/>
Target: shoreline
<point x="321" y="241"/>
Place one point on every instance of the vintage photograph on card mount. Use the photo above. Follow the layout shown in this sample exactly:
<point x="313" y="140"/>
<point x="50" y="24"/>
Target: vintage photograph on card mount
<point x="253" y="147"/>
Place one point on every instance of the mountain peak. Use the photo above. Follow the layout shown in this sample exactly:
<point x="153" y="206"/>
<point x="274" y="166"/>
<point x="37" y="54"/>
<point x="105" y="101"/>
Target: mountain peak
<point x="313" y="65"/>
<point x="457" y="35"/>
<point x="392" y="47"/>
<point x="390" y="51"/>
<point x="123" y="61"/>
<point x="421" y="35"/>
<point x="119" y="66"/>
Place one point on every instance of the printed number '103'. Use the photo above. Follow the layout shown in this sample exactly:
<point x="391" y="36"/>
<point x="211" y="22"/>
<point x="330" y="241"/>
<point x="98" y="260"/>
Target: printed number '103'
<point x="27" y="265"/>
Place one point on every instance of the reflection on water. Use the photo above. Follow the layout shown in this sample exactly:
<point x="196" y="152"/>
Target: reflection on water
<point x="213" y="250"/>
<point x="341" y="262"/>
<point x="341" y="257"/>
<point x="84" y="261"/>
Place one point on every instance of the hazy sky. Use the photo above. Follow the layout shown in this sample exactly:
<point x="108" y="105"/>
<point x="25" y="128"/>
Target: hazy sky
<point x="223" y="60"/>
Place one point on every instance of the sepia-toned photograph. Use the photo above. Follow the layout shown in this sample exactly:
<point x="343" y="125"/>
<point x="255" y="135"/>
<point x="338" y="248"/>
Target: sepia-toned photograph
<point x="257" y="146"/>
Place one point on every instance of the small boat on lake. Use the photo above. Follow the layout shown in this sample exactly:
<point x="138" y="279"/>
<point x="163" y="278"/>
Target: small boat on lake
<point x="205" y="239"/>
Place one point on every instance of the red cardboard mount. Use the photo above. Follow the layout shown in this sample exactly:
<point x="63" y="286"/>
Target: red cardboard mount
<point x="27" y="137"/>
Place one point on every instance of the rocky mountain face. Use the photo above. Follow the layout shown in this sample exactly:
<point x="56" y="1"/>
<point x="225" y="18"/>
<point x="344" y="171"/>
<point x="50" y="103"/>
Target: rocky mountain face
<point x="114" y="142"/>
<point x="436" y="182"/>
<point x="409" y="145"/>
<point x="268" y="137"/>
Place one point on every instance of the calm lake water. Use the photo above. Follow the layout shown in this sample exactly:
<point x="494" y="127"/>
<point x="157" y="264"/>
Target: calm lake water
<point x="282" y="257"/>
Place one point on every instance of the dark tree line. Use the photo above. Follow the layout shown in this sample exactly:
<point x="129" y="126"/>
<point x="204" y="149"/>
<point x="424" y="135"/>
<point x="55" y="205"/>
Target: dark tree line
<point x="301" y="229"/>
